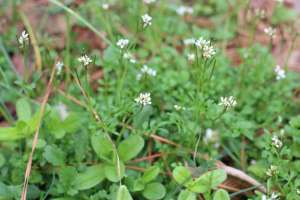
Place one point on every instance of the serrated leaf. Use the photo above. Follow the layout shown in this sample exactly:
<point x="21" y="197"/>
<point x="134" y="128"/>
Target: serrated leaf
<point x="90" y="178"/>
<point x="154" y="191"/>
<point x="130" y="147"/>
<point x="54" y="155"/>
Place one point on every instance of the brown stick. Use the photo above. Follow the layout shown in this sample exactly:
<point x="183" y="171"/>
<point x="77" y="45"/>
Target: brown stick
<point x="36" y="135"/>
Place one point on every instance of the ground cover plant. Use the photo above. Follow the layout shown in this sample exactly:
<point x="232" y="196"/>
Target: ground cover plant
<point x="149" y="99"/>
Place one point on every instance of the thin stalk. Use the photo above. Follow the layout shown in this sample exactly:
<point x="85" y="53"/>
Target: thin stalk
<point x="82" y="20"/>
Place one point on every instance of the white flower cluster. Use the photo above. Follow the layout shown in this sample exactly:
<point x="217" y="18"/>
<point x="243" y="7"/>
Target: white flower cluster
<point x="276" y="142"/>
<point x="211" y="136"/>
<point x="274" y="196"/>
<point x="149" y="1"/>
<point x="228" y="102"/>
<point x="129" y="57"/>
<point x="189" y="41"/>
<point x="260" y="13"/>
<point x="272" y="171"/>
<point x="85" y="60"/>
<point x="62" y="111"/>
<point x="280" y="73"/>
<point x="208" y="50"/>
<point x="105" y="6"/>
<point x="147" y="20"/>
<point x="145" y="70"/>
<point x="182" y="10"/>
<point x="23" y="38"/>
<point x="59" y="65"/>
<point x="178" y="107"/>
<point x="143" y="99"/>
<point x="122" y="43"/>
<point x="271" y="32"/>
<point x="191" y="57"/>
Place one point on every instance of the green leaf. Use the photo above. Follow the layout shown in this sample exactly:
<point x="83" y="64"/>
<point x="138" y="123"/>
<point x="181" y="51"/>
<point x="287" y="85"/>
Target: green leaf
<point x="182" y="175"/>
<point x="221" y="195"/>
<point x="207" y="181"/>
<point x="23" y="109"/>
<point x="113" y="172"/>
<point x="140" y="118"/>
<point x="150" y="174"/>
<point x="91" y="177"/>
<point x="123" y="193"/>
<point x="2" y="160"/>
<point x="130" y="147"/>
<point x="54" y="155"/>
<point x="102" y="146"/>
<point x="186" y="195"/>
<point x="154" y="191"/>
<point x="10" y="133"/>
<point x="138" y="185"/>
<point x="66" y="177"/>
<point x="295" y="122"/>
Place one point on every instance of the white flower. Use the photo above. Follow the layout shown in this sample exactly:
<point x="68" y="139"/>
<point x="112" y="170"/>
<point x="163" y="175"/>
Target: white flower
<point x="143" y="99"/>
<point x="59" y="65"/>
<point x="280" y="73"/>
<point x="85" y="60"/>
<point x="272" y="171"/>
<point x="62" y="111"/>
<point x="276" y="142"/>
<point x="189" y="41"/>
<point x="105" y="6"/>
<point x="208" y="51"/>
<point x="228" y="102"/>
<point x="270" y="32"/>
<point x="280" y="1"/>
<point x="201" y="43"/>
<point x="145" y="70"/>
<point x="23" y="38"/>
<point x="122" y="43"/>
<point x="149" y="1"/>
<point x="191" y="57"/>
<point x="147" y="20"/>
<point x="182" y="10"/>
<point x="178" y="107"/>
<point x="298" y="191"/>
<point x="274" y="196"/>
<point x="211" y="136"/>
<point x="260" y="13"/>
<point x="129" y="57"/>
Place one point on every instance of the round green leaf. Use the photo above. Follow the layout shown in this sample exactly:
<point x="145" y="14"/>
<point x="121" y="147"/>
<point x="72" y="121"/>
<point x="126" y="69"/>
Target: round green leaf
<point x="102" y="146"/>
<point x="221" y="195"/>
<point x="130" y="147"/>
<point x="91" y="177"/>
<point x="150" y="174"/>
<point x="186" y="195"/>
<point x="182" y="175"/>
<point x="154" y="191"/>
<point x="112" y="171"/>
<point x="123" y="193"/>
<point x="207" y="181"/>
